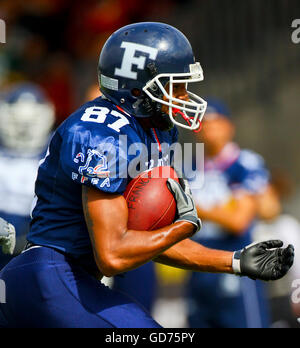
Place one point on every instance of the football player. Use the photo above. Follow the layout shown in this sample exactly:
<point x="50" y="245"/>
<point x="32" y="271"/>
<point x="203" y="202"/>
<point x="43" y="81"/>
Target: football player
<point x="79" y="223"/>
<point x="227" y="205"/>
<point x="26" y="119"/>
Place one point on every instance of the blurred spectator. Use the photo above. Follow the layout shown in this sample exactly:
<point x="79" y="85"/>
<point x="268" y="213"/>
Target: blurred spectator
<point x="57" y="81"/>
<point x="54" y="42"/>
<point x="92" y="21"/>
<point x="277" y="224"/>
<point x="227" y="206"/>
<point x="26" y="120"/>
<point x="31" y="60"/>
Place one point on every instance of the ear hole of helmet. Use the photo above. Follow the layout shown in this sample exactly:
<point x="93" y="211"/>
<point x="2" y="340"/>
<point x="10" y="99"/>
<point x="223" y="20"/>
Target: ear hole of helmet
<point x="136" y="92"/>
<point x="152" y="107"/>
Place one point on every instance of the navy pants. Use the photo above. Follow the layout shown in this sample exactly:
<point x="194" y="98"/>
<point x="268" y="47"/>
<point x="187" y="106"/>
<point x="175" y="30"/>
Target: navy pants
<point x="44" y="288"/>
<point x="140" y="284"/>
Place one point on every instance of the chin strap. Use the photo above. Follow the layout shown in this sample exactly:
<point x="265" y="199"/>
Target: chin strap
<point x="177" y="112"/>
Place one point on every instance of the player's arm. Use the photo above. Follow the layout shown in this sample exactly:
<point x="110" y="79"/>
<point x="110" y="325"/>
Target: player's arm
<point x="234" y="217"/>
<point x="117" y="249"/>
<point x="266" y="260"/>
<point x="193" y="256"/>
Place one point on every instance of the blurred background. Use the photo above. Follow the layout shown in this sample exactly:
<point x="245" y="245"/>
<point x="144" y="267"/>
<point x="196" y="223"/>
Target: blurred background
<point x="244" y="47"/>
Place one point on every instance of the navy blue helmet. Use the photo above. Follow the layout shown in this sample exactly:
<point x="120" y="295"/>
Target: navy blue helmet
<point x="139" y="61"/>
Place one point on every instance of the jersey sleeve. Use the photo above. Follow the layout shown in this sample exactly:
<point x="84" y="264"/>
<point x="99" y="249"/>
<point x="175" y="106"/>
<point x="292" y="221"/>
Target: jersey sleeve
<point x="95" y="160"/>
<point x="254" y="175"/>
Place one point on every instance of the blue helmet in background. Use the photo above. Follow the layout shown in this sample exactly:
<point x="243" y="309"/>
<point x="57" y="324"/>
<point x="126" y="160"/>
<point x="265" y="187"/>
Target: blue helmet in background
<point x="26" y="118"/>
<point x="139" y="61"/>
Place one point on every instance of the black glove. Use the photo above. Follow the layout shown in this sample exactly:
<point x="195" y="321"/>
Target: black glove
<point x="265" y="260"/>
<point x="186" y="208"/>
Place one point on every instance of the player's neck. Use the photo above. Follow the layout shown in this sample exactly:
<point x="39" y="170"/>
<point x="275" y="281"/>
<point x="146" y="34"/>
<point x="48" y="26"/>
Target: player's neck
<point x="146" y="123"/>
<point x="158" y="121"/>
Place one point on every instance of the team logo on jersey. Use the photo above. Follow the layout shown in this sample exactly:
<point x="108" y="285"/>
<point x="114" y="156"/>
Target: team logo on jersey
<point x="130" y="58"/>
<point x="87" y="170"/>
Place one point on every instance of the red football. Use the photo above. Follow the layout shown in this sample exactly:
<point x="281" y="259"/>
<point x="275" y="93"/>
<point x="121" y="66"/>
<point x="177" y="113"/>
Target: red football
<point x="150" y="203"/>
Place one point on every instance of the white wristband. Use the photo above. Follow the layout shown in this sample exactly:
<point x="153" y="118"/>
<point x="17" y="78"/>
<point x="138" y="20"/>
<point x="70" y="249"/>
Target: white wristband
<point x="236" y="262"/>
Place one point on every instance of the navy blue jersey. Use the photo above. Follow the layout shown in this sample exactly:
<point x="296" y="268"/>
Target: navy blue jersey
<point x="233" y="171"/>
<point x="100" y="146"/>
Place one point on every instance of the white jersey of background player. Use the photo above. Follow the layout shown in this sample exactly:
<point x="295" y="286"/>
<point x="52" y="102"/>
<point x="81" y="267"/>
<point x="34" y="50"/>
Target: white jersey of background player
<point x="26" y="120"/>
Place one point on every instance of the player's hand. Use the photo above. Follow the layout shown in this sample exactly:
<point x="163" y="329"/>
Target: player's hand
<point x="186" y="208"/>
<point x="7" y="237"/>
<point x="265" y="260"/>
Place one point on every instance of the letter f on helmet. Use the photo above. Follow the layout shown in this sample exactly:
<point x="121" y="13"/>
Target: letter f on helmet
<point x="130" y="59"/>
